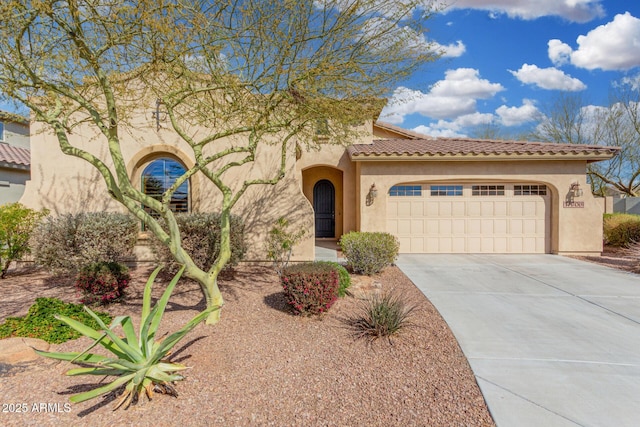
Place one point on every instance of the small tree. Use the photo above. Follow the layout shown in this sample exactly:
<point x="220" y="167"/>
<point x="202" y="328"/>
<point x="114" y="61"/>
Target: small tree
<point x="280" y="243"/>
<point x="16" y="225"/>
<point x="231" y="77"/>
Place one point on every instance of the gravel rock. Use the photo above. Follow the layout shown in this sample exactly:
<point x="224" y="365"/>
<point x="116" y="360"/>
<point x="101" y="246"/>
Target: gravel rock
<point x="263" y="366"/>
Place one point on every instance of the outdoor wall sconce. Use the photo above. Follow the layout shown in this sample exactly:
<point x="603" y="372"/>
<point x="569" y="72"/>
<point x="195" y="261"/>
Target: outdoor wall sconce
<point x="159" y="115"/>
<point x="372" y="194"/>
<point x="373" y="191"/>
<point x="575" y="190"/>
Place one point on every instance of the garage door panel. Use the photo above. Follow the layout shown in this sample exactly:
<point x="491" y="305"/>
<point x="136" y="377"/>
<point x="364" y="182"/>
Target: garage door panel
<point x="458" y="227"/>
<point x="495" y="223"/>
<point x="417" y="244"/>
<point x="444" y="227"/>
<point x="500" y="245"/>
<point x="529" y="209"/>
<point x="474" y="226"/>
<point x="404" y="226"/>
<point x="432" y="210"/>
<point x="417" y="209"/>
<point x="500" y="226"/>
<point x="404" y="209"/>
<point x="474" y="208"/>
<point x="445" y="209"/>
<point x="474" y="244"/>
<point x="486" y="208"/>
<point x="458" y="245"/>
<point x="458" y="209"/>
<point x="487" y="226"/>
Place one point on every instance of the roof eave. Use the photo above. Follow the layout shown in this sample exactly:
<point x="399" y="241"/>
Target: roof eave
<point x="8" y="165"/>
<point x="589" y="157"/>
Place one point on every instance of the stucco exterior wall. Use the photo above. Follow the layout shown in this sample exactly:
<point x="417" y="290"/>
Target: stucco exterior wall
<point x="65" y="184"/>
<point x="16" y="134"/>
<point x="12" y="183"/>
<point x="13" y="177"/>
<point x="573" y="230"/>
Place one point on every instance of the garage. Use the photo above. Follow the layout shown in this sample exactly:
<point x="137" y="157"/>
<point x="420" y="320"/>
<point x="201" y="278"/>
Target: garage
<point x="475" y="217"/>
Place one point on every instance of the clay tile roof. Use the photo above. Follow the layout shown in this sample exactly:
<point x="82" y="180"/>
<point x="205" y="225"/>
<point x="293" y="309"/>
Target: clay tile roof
<point x="14" y="155"/>
<point x="409" y="134"/>
<point x="463" y="147"/>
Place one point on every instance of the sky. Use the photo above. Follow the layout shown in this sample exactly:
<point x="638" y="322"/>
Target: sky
<point x="505" y="61"/>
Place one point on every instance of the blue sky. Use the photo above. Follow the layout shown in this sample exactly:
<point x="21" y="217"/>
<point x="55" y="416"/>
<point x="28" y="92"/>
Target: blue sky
<point x="505" y="60"/>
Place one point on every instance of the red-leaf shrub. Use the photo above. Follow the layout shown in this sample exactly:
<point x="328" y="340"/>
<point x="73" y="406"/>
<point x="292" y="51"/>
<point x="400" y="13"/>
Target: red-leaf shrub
<point x="310" y="288"/>
<point x="102" y="282"/>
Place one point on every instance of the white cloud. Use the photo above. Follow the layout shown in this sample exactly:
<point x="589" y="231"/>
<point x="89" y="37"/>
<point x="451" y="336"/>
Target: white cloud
<point x="455" y="128"/>
<point x="452" y="50"/>
<point x="452" y="97"/>
<point x="559" y="52"/>
<point x="548" y="78"/>
<point x="571" y="10"/>
<point x="438" y="133"/>
<point x="632" y="81"/>
<point x="516" y="116"/>
<point x="613" y="46"/>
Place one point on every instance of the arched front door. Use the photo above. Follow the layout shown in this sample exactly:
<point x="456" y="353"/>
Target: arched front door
<point x="324" y="202"/>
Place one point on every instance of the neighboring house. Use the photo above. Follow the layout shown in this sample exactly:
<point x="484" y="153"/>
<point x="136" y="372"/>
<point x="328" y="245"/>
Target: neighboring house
<point x="437" y="195"/>
<point x="14" y="156"/>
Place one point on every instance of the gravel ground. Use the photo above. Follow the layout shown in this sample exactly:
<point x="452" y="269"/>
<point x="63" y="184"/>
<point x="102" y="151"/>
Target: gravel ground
<point x="262" y="366"/>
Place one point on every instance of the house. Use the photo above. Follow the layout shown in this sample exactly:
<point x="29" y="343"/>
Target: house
<point x="14" y="156"/>
<point x="437" y="195"/>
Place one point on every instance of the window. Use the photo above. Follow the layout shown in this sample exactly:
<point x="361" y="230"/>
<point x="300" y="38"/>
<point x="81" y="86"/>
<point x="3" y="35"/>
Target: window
<point x="406" y="190"/>
<point x="1" y="131"/>
<point x="487" y="190"/>
<point x="530" y="190"/>
<point x="446" y="190"/>
<point x="158" y="176"/>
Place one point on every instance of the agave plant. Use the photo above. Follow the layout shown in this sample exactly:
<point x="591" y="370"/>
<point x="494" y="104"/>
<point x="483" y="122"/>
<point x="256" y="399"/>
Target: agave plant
<point x="137" y="361"/>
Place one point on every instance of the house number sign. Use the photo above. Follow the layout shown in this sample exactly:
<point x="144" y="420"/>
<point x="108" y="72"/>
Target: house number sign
<point x="573" y="204"/>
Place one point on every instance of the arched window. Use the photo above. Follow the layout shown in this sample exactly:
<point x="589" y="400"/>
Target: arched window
<point x="158" y="176"/>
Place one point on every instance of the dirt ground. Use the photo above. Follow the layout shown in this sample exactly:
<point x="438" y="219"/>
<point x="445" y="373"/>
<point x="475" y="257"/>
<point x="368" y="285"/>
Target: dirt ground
<point x="260" y="365"/>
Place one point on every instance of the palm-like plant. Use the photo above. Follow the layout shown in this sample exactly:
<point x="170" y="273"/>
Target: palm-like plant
<point x="137" y="361"/>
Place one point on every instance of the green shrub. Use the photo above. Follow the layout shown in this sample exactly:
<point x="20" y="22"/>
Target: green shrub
<point x="280" y="243"/>
<point x="369" y="253"/>
<point x="41" y="323"/>
<point x="621" y="229"/>
<point x="16" y="226"/>
<point x="102" y="282"/>
<point x="344" y="278"/>
<point x="201" y="240"/>
<point x="310" y="288"/>
<point x="67" y="243"/>
<point x="382" y="315"/>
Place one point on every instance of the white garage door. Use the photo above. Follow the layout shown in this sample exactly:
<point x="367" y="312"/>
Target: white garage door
<point x="470" y="218"/>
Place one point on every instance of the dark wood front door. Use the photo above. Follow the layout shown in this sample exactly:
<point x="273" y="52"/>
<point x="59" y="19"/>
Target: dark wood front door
<point x="324" y="202"/>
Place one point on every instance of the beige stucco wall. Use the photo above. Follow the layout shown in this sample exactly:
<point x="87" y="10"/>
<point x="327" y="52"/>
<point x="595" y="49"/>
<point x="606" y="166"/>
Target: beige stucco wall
<point x="12" y="183"/>
<point x="14" y="177"/>
<point x="573" y="230"/>
<point x="65" y="184"/>
<point x="333" y="163"/>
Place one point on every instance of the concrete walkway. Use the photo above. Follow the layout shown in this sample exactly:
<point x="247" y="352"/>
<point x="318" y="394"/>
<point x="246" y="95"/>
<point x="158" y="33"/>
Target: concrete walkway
<point x="552" y="341"/>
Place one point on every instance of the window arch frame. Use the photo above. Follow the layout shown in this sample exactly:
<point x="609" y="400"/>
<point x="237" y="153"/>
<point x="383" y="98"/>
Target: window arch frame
<point x="169" y="179"/>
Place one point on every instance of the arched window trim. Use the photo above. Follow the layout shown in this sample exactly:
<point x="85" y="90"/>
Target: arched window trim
<point x="168" y="169"/>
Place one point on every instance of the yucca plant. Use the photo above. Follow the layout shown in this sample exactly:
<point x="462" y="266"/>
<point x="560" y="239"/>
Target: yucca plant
<point x="138" y="360"/>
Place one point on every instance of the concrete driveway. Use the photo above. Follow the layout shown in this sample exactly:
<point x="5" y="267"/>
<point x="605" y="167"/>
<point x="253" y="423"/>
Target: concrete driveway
<point x="552" y="341"/>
